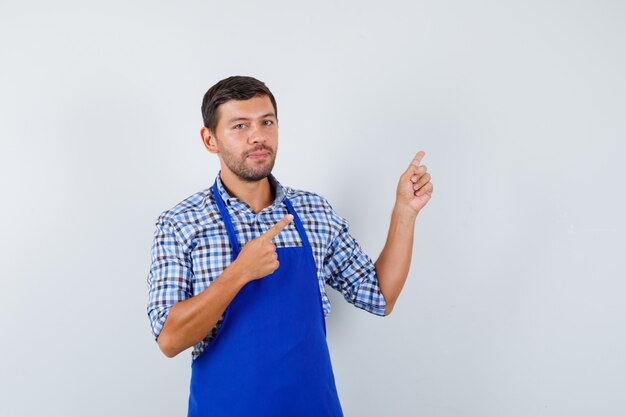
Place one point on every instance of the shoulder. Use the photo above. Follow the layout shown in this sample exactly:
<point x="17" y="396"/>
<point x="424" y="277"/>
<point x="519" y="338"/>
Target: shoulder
<point x="303" y="197"/>
<point x="195" y="211"/>
<point x="314" y="205"/>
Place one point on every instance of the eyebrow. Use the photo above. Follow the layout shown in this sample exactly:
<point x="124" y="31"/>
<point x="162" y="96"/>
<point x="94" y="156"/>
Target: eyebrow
<point x="236" y="119"/>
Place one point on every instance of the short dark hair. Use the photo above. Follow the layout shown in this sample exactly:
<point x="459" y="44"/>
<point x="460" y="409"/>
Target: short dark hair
<point x="237" y="87"/>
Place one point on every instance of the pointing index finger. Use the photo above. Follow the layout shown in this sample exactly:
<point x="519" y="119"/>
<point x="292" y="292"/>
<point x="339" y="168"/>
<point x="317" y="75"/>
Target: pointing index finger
<point x="415" y="163"/>
<point x="277" y="227"/>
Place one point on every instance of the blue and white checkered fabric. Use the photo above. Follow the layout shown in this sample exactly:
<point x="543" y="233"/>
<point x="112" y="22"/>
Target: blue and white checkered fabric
<point x="191" y="249"/>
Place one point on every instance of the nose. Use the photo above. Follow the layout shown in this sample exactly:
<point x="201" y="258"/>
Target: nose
<point x="257" y="135"/>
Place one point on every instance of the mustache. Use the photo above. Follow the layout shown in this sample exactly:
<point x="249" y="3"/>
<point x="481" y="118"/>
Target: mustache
<point x="261" y="148"/>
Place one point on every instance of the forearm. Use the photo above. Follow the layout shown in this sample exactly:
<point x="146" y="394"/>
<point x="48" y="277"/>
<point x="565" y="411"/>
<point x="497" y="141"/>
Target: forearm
<point x="189" y="321"/>
<point x="392" y="266"/>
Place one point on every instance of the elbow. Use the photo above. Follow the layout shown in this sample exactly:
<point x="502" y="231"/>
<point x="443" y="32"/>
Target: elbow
<point x="166" y="346"/>
<point x="388" y="309"/>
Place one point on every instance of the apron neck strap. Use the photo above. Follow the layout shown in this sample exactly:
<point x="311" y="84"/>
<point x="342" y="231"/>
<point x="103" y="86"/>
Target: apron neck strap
<point x="299" y="226"/>
<point x="229" y="224"/>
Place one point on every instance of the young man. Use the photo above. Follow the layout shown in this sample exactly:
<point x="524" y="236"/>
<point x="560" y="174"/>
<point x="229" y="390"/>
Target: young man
<point x="239" y="269"/>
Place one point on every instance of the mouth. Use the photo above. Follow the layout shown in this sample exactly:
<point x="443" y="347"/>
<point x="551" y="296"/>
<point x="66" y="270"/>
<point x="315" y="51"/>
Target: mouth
<point x="259" y="155"/>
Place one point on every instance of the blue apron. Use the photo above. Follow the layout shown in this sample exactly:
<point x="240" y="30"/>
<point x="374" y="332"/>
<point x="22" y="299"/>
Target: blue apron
<point x="269" y="357"/>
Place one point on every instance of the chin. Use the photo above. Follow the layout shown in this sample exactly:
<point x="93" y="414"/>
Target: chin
<point x="257" y="175"/>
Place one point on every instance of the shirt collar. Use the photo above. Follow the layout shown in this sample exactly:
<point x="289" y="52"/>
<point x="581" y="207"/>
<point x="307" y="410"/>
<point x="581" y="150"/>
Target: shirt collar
<point x="234" y="201"/>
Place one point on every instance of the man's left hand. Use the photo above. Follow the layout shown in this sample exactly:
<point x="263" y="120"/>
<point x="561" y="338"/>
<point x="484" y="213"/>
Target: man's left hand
<point x="414" y="189"/>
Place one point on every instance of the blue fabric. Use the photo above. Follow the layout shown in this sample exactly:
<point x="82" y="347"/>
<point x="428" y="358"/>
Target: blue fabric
<point x="270" y="356"/>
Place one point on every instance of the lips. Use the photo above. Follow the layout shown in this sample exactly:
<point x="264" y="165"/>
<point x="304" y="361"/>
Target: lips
<point x="259" y="155"/>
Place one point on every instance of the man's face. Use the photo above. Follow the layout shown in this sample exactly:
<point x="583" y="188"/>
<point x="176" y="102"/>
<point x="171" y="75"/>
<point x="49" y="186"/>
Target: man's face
<point x="246" y="137"/>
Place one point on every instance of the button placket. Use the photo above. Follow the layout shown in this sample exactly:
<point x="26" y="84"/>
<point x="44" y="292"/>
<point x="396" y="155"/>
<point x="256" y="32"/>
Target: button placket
<point x="258" y="223"/>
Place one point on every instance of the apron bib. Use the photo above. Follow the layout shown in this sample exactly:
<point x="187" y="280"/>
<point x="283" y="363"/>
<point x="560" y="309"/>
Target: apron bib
<point x="269" y="357"/>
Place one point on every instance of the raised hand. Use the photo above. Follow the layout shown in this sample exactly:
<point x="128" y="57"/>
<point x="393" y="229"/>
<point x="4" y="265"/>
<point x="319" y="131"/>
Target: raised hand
<point x="414" y="189"/>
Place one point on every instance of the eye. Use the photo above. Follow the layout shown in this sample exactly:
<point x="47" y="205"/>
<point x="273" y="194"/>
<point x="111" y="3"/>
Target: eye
<point x="237" y="126"/>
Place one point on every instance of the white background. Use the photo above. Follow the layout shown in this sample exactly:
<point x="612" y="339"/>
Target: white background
<point x="515" y="301"/>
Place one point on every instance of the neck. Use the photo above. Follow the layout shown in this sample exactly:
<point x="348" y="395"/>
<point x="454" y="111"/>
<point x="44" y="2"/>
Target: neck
<point x="257" y="194"/>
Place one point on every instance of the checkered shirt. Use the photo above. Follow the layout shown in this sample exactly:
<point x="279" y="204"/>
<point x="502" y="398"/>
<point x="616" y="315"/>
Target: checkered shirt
<point x="191" y="249"/>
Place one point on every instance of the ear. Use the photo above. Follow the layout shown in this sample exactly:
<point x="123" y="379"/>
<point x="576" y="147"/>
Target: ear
<point x="209" y="140"/>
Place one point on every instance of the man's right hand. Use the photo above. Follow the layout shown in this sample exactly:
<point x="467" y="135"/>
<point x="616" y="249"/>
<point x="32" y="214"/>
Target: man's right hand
<point x="258" y="257"/>
<point x="189" y="321"/>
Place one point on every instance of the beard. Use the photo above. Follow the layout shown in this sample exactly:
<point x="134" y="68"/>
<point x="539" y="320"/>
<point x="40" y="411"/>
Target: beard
<point x="249" y="170"/>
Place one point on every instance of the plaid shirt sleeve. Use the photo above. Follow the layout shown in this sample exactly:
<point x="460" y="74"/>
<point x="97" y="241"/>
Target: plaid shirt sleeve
<point x="169" y="279"/>
<point x="349" y="270"/>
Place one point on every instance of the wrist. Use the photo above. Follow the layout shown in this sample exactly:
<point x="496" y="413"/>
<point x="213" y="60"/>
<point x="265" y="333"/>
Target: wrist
<point x="237" y="273"/>
<point x="403" y="213"/>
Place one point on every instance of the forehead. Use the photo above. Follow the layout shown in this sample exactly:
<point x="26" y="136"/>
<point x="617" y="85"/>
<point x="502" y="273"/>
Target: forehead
<point x="252" y="108"/>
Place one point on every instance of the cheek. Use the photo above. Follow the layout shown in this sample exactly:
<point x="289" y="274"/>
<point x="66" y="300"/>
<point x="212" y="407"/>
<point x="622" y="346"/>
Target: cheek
<point x="232" y="139"/>
<point x="237" y="146"/>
